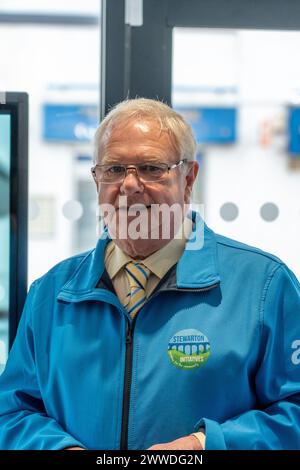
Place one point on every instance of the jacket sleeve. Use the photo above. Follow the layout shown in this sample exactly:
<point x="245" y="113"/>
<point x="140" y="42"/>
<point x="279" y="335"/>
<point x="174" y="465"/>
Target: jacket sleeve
<point x="24" y="423"/>
<point x="275" y="424"/>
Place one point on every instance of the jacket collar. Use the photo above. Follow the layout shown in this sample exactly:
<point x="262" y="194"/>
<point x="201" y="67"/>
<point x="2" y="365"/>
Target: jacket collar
<point x="196" y="269"/>
<point x="198" y="266"/>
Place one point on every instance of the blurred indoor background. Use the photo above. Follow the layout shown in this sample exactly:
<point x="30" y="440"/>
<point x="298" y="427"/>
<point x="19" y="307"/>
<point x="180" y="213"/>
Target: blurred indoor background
<point x="239" y="89"/>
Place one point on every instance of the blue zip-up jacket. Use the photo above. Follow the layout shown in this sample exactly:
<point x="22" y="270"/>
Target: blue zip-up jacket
<point x="217" y="345"/>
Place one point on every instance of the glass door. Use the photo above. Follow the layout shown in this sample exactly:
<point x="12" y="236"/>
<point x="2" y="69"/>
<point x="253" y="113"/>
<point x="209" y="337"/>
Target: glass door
<point x="240" y="91"/>
<point x="5" y="134"/>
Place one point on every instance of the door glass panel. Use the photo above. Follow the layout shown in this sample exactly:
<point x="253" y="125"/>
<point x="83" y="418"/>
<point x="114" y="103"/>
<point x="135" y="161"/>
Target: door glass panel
<point x="240" y="90"/>
<point x="4" y="234"/>
<point x="58" y="65"/>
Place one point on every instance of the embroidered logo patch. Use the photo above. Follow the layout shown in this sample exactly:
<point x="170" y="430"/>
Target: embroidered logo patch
<point x="189" y="349"/>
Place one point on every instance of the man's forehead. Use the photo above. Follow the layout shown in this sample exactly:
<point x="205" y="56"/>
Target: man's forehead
<point x="139" y="132"/>
<point x="136" y="127"/>
<point x="144" y="126"/>
<point x="142" y="136"/>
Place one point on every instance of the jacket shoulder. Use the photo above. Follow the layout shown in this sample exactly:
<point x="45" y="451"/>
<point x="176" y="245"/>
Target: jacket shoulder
<point x="256" y="254"/>
<point x="61" y="272"/>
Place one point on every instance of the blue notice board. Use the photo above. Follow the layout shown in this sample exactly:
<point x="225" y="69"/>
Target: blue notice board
<point x="69" y="122"/>
<point x="293" y="129"/>
<point x="215" y="125"/>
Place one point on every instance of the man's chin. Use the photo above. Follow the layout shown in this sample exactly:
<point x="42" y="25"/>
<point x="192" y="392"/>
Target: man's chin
<point x="140" y="248"/>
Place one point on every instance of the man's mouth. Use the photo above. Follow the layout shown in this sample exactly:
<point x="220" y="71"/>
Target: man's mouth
<point x="134" y="207"/>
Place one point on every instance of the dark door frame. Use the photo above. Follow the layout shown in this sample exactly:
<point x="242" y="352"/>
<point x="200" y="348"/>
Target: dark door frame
<point x="137" y="60"/>
<point x="16" y="105"/>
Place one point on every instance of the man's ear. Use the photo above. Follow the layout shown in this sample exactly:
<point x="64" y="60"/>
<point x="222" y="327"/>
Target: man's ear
<point x="192" y="172"/>
<point x="190" y="177"/>
<point x="97" y="185"/>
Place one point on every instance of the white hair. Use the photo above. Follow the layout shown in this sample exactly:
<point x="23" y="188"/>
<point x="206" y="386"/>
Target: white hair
<point x="143" y="108"/>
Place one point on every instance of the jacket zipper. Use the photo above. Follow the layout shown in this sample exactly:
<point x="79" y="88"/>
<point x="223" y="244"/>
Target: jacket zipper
<point x="127" y="383"/>
<point x="128" y="365"/>
<point x="183" y="289"/>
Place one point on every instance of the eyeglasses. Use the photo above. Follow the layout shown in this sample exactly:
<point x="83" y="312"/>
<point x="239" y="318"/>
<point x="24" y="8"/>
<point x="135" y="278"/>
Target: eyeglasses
<point x="146" y="172"/>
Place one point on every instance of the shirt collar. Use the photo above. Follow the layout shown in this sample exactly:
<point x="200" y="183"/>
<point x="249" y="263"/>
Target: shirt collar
<point x="158" y="262"/>
<point x="197" y="267"/>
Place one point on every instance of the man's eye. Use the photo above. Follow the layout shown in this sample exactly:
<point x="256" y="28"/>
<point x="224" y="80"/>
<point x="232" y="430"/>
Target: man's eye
<point x="151" y="168"/>
<point x="116" y="169"/>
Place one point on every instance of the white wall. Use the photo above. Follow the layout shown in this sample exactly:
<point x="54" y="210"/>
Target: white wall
<point x="265" y="69"/>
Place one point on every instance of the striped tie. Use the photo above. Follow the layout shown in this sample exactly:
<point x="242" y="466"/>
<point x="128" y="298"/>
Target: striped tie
<point x="138" y="276"/>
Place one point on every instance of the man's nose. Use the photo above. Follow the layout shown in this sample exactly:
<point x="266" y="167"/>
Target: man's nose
<point x="131" y="183"/>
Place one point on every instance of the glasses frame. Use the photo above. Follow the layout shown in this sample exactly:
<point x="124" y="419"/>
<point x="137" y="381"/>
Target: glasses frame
<point x="134" y="166"/>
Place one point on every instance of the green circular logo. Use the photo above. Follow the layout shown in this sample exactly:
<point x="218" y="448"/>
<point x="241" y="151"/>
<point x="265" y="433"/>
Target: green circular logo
<point x="188" y="349"/>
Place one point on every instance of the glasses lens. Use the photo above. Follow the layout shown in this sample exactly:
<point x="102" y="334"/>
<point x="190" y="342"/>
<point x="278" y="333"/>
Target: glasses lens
<point x="110" y="173"/>
<point x="149" y="172"/>
<point x="116" y="173"/>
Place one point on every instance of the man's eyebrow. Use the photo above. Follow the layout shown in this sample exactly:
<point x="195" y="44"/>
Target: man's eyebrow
<point x="109" y="160"/>
<point x="119" y="161"/>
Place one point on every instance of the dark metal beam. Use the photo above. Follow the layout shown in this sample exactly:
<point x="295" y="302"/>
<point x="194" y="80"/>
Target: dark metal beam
<point x="136" y="60"/>
<point x="113" y="49"/>
<point x="151" y="54"/>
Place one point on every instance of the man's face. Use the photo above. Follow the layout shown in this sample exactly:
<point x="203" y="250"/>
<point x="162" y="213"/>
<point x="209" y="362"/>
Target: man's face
<point x="142" y="141"/>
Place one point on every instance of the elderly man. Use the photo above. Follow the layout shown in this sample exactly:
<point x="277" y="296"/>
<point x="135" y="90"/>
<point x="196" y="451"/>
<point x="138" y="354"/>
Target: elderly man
<point x="166" y="336"/>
